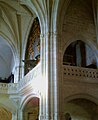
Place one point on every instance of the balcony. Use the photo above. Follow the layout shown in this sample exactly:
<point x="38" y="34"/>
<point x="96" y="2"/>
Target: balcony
<point x="31" y="79"/>
<point x="81" y="74"/>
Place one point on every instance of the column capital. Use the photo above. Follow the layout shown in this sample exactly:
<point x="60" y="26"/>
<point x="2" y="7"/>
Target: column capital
<point x="15" y="100"/>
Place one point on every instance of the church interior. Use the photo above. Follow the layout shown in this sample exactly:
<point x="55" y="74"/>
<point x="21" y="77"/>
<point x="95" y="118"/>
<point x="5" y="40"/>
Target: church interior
<point x="48" y="60"/>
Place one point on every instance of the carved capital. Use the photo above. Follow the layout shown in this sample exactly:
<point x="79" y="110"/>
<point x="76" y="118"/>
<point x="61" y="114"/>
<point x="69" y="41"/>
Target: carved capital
<point x="15" y="100"/>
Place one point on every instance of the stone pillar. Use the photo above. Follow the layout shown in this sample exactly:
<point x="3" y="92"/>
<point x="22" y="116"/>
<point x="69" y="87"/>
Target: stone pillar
<point x="18" y="73"/>
<point x="14" y="116"/>
<point x="49" y="75"/>
<point x="17" y="114"/>
<point x="20" y="114"/>
<point x="54" y="76"/>
<point x="42" y="106"/>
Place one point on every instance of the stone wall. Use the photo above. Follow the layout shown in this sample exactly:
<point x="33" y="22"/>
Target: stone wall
<point x="78" y="23"/>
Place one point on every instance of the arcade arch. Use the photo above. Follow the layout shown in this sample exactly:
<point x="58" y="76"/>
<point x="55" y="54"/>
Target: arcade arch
<point x="78" y="53"/>
<point x="31" y="109"/>
<point x="81" y="108"/>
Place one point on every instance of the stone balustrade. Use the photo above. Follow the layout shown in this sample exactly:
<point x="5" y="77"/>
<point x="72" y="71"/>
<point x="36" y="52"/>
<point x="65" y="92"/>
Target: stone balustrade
<point x="14" y="87"/>
<point x="70" y="72"/>
<point x="6" y="88"/>
<point x="80" y="73"/>
<point x="36" y="71"/>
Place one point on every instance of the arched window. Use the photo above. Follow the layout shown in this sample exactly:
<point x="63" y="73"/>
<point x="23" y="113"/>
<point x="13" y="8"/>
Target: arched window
<point x="32" y="56"/>
<point x="79" y="54"/>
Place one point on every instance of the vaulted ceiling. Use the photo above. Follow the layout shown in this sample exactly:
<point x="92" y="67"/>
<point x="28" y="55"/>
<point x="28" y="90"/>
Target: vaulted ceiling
<point x="16" y="18"/>
<point x="6" y="58"/>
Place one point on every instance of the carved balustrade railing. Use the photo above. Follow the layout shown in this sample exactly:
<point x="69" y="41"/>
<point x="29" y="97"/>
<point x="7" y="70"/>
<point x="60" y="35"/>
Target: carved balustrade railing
<point x="30" y="77"/>
<point x="70" y="72"/>
<point x="74" y="72"/>
<point x="15" y="87"/>
<point x="8" y="88"/>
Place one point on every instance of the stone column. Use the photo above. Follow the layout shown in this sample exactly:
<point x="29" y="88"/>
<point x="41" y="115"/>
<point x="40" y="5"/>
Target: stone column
<point x="18" y="73"/>
<point x="54" y="76"/>
<point x="49" y="74"/>
<point x="14" y="116"/>
<point x="42" y="106"/>
<point x="17" y="114"/>
<point x="20" y="114"/>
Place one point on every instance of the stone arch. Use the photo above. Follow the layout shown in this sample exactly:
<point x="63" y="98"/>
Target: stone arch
<point x="83" y="96"/>
<point x="62" y="11"/>
<point x="89" y="43"/>
<point x="37" y="11"/>
<point x="26" y="39"/>
<point x="79" y="106"/>
<point x="6" y="107"/>
<point x="67" y="116"/>
<point x="10" y="43"/>
<point x="82" y="38"/>
<point x="28" y="102"/>
<point x="5" y="114"/>
<point x="27" y="35"/>
<point x="32" y="46"/>
<point x="31" y="110"/>
<point x="27" y="98"/>
<point x="9" y="55"/>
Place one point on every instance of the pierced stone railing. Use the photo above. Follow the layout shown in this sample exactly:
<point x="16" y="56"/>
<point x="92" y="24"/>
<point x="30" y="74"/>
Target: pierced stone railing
<point x="70" y="72"/>
<point x="6" y="88"/>
<point x="80" y="72"/>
